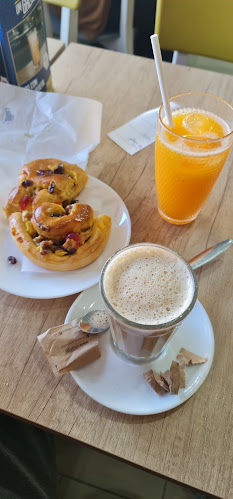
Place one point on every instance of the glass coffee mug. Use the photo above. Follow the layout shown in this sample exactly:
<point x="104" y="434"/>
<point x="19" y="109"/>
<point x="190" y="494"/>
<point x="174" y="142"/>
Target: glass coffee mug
<point x="147" y="290"/>
<point x="189" y="157"/>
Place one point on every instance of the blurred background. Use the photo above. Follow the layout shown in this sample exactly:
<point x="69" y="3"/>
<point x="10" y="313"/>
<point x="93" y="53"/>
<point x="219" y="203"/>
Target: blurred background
<point x="196" y="33"/>
<point x="99" y="23"/>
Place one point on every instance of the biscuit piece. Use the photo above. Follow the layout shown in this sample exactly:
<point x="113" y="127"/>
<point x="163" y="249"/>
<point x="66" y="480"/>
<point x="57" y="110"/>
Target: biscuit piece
<point x="189" y="358"/>
<point x="151" y="379"/>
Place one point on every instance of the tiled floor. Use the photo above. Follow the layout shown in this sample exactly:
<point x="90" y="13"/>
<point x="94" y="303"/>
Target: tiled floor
<point x="88" y="474"/>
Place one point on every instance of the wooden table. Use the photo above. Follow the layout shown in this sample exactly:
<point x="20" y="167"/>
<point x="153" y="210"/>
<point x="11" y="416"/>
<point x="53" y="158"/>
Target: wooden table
<point x="191" y="444"/>
<point x="55" y="48"/>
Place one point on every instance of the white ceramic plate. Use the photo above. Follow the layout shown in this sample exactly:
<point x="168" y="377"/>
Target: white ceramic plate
<point x="119" y="385"/>
<point x="49" y="284"/>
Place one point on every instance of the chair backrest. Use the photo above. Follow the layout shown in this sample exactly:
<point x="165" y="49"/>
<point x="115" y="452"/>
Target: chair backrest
<point x="70" y="4"/>
<point x="202" y="27"/>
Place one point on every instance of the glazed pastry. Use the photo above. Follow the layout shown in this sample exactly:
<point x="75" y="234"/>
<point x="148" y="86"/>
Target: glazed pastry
<point x="64" y="180"/>
<point x="52" y="221"/>
<point x="75" y="250"/>
<point x="48" y="225"/>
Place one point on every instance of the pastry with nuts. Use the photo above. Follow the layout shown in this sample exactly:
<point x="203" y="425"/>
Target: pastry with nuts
<point x="47" y="224"/>
<point x="64" y="180"/>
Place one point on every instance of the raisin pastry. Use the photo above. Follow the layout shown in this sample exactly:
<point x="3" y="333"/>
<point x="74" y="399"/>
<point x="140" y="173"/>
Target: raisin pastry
<point x="64" y="180"/>
<point x="48" y="225"/>
<point x="60" y="239"/>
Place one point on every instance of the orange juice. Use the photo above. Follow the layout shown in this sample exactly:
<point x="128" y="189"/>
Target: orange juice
<point x="188" y="161"/>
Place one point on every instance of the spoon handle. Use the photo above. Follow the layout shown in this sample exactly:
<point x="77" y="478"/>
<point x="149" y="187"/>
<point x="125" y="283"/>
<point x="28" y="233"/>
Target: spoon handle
<point x="210" y="253"/>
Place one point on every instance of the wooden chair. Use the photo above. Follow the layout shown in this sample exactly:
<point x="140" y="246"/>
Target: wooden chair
<point x="199" y="31"/>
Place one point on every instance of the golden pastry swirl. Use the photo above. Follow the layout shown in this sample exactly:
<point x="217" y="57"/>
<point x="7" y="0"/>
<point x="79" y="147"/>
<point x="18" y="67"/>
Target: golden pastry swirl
<point x="53" y="221"/>
<point x="64" y="180"/>
<point x="52" y="229"/>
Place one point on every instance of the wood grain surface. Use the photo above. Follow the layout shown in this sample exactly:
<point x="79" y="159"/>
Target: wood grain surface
<point x="55" y="48"/>
<point x="191" y="444"/>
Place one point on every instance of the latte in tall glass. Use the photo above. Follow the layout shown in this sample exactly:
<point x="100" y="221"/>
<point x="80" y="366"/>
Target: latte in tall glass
<point x="147" y="291"/>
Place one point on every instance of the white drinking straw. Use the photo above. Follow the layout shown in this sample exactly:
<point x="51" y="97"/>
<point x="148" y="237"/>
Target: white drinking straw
<point x="161" y="78"/>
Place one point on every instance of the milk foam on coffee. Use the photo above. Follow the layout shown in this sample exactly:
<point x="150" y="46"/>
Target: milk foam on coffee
<point x="148" y="285"/>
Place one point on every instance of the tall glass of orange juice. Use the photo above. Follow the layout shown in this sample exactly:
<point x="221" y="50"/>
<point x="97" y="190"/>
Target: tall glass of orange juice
<point x="190" y="155"/>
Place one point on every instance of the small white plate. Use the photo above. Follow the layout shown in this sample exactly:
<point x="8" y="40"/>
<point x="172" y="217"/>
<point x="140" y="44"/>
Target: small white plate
<point x="49" y="284"/>
<point x="119" y="385"/>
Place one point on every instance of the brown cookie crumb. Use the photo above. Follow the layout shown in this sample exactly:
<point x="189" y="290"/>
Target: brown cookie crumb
<point x="175" y="371"/>
<point x="191" y="358"/>
<point x="181" y="360"/>
<point x="173" y="379"/>
<point x="150" y="378"/>
<point x="161" y="381"/>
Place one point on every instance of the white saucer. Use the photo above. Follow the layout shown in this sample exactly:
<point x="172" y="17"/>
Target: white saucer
<point x="119" y="385"/>
<point x="41" y="283"/>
